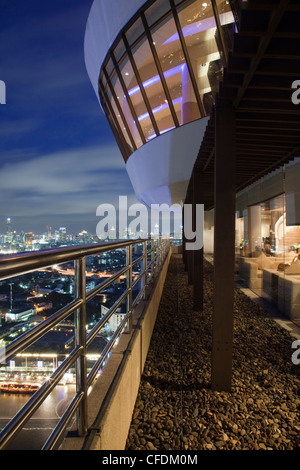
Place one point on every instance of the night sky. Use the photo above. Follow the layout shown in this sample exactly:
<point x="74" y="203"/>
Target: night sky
<point x="59" y="159"/>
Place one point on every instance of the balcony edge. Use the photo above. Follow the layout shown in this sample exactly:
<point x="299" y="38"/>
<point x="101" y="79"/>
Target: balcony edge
<point x="112" y="400"/>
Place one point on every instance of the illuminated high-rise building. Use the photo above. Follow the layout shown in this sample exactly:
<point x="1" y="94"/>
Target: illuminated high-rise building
<point x="28" y="238"/>
<point x="8" y="226"/>
<point x="62" y="234"/>
<point x="9" y="232"/>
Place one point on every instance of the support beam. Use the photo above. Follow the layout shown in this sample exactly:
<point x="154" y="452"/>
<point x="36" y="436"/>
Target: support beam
<point x="189" y="253"/>
<point x="224" y="248"/>
<point x="184" y="252"/>
<point x="197" y="254"/>
<point x="190" y="257"/>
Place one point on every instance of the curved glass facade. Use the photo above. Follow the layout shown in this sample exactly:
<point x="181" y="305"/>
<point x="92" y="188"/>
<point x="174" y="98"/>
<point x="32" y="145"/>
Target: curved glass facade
<point x="164" y="68"/>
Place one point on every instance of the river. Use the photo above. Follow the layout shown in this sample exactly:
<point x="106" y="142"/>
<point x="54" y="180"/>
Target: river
<point x="39" y="427"/>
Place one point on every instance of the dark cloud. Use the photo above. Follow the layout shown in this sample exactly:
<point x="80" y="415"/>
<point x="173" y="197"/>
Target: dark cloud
<point x="58" y="158"/>
<point x="66" y="183"/>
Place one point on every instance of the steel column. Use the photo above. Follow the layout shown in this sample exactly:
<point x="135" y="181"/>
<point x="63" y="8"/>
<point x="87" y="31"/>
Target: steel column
<point x="184" y="253"/>
<point x="197" y="254"/>
<point x="224" y="252"/>
<point x="190" y="255"/>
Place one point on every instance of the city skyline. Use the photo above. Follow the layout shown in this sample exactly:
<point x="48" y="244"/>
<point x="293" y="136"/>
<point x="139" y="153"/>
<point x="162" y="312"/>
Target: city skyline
<point x="59" y="159"/>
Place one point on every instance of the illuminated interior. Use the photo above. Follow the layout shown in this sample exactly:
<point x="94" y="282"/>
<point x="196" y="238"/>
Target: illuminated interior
<point x="268" y="239"/>
<point x="164" y="68"/>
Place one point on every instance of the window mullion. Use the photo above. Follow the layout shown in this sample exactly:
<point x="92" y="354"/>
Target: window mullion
<point x="117" y="131"/>
<point x="160" y="71"/>
<point x="138" y="78"/>
<point x="187" y="58"/>
<point x="131" y="107"/>
<point x="120" y="111"/>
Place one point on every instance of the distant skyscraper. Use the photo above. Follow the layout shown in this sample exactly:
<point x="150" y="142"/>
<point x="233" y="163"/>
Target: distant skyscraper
<point x="8" y="226"/>
<point x="62" y="234"/>
<point x="28" y="238"/>
<point x="9" y="233"/>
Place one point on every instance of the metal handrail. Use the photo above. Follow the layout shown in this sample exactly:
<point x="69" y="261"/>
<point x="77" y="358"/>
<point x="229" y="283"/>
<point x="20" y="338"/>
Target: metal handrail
<point x="20" y="264"/>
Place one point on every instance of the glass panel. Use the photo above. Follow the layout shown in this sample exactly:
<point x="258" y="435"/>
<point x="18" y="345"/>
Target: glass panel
<point x="289" y="284"/>
<point x="268" y="240"/>
<point x="119" y="50"/>
<point x="137" y="100"/>
<point x="199" y="29"/>
<point x="109" y="67"/>
<point x="103" y="79"/>
<point x="172" y="59"/>
<point x="126" y="111"/>
<point x="119" y="119"/>
<point x="153" y="87"/>
<point x="157" y="11"/>
<point x="225" y="13"/>
<point x="227" y="22"/>
<point x="276" y="227"/>
<point x="136" y="30"/>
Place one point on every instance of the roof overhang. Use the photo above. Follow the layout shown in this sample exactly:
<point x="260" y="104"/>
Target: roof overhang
<point x="106" y="19"/>
<point x="257" y="83"/>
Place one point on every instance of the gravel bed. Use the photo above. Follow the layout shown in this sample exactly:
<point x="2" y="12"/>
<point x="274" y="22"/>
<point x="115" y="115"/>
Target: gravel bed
<point x="176" y="408"/>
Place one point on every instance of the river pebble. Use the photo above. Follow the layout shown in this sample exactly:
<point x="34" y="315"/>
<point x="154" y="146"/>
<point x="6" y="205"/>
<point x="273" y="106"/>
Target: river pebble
<point x="176" y="408"/>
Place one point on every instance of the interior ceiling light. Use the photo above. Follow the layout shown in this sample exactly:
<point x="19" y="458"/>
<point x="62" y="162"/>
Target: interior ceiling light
<point x="193" y="28"/>
<point x="159" y="108"/>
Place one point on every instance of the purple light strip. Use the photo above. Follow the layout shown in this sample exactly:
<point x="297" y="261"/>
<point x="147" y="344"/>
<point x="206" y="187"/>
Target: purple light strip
<point x="193" y="28"/>
<point x="156" y="79"/>
<point x="159" y="108"/>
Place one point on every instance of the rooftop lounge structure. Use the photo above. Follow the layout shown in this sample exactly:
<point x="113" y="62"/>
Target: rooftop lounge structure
<point x="202" y="98"/>
<point x="199" y="97"/>
<point x="155" y="67"/>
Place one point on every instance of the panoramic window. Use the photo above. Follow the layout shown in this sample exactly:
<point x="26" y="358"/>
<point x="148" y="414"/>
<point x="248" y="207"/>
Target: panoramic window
<point x="165" y="68"/>
<point x="199" y="30"/>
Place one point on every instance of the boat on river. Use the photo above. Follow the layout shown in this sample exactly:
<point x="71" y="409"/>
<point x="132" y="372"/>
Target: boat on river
<point x="18" y="388"/>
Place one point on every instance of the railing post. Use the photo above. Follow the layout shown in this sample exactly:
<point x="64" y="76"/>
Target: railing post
<point x="164" y="249"/>
<point x="80" y="335"/>
<point x="160" y="252"/>
<point x="129" y="286"/>
<point x="145" y="262"/>
<point x="152" y="258"/>
<point x="156" y="255"/>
